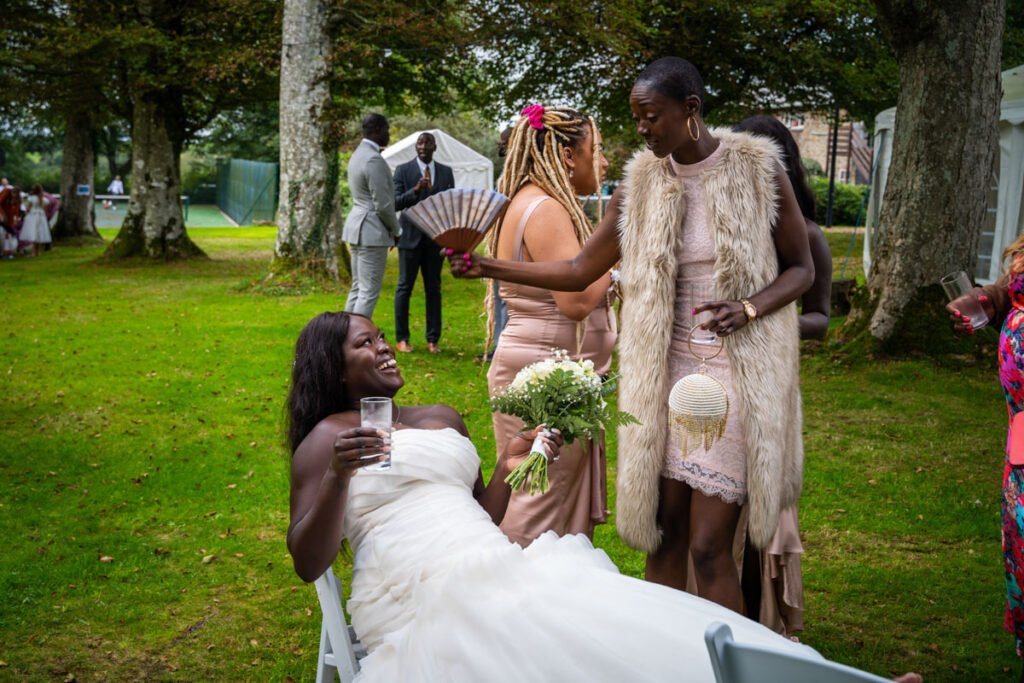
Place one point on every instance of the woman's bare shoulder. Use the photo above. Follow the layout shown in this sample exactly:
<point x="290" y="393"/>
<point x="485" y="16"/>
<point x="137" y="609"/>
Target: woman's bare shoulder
<point x="320" y="440"/>
<point x="437" y="416"/>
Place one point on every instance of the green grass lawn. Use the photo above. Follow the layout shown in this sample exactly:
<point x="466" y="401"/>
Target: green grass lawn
<point x="144" y="480"/>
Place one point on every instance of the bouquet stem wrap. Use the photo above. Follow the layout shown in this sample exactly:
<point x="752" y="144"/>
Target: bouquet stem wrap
<point x="559" y="393"/>
<point x="533" y="470"/>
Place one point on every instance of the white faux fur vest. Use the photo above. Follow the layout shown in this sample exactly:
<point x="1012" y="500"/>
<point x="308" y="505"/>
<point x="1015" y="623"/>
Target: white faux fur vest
<point x="741" y="200"/>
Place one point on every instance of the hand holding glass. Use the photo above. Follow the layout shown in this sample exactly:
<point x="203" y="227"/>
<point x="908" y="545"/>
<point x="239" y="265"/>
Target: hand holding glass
<point x="956" y="285"/>
<point x="701" y="292"/>
<point x="375" y="412"/>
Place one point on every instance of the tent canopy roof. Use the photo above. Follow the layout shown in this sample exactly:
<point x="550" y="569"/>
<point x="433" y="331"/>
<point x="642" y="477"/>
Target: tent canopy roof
<point x="1011" y="110"/>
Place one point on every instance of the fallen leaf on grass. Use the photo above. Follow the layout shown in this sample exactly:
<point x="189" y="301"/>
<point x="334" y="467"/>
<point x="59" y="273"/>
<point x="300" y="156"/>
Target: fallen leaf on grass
<point x="248" y="476"/>
<point x="231" y="486"/>
<point x="106" y="558"/>
<point x="207" y="559"/>
<point x="254" y="643"/>
<point x="252" y="444"/>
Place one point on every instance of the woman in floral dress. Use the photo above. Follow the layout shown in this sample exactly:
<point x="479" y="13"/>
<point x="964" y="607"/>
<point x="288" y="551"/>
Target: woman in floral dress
<point x="1003" y="301"/>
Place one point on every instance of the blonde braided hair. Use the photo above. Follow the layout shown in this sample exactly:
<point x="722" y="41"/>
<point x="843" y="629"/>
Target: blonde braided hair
<point x="534" y="156"/>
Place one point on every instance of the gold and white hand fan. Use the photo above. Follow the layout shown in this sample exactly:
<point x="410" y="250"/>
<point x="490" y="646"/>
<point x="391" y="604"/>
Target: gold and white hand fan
<point x="458" y="219"/>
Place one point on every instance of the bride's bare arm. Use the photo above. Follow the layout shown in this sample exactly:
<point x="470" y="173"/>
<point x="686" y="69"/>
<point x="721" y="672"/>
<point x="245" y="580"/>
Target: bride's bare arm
<point x="597" y="257"/>
<point x="322" y="468"/>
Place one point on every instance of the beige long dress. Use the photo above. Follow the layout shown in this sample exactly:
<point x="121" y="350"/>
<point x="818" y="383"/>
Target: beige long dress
<point x="577" y="499"/>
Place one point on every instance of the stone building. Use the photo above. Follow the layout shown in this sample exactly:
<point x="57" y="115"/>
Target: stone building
<point x="853" y="152"/>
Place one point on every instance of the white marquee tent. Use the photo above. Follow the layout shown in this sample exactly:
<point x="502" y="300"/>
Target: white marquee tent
<point x="1006" y="218"/>
<point x="471" y="169"/>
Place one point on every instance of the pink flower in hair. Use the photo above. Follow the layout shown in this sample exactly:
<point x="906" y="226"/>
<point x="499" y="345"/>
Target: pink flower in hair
<point x="535" y="113"/>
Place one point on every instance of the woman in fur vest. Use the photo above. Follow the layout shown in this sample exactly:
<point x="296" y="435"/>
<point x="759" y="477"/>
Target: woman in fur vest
<point x="696" y="205"/>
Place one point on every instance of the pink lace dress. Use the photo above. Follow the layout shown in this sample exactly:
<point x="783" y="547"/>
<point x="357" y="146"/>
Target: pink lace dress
<point x="721" y="470"/>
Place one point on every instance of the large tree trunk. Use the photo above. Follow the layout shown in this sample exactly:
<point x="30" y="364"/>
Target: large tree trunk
<point x="308" y="216"/>
<point x="944" y="149"/>
<point x="109" y="139"/>
<point x="155" y="226"/>
<point x="77" y="217"/>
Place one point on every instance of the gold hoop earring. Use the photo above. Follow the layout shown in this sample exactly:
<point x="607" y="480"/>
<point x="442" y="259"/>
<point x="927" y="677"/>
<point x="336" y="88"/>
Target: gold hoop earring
<point x="689" y="128"/>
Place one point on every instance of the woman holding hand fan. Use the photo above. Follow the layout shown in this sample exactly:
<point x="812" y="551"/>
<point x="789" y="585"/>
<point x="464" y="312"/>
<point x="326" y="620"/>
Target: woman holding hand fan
<point x="554" y="156"/>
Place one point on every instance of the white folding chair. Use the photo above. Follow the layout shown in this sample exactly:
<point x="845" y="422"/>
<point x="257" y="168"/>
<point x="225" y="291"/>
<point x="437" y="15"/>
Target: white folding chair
<point x="340" y="650"/>
<point x="740" y="663"/>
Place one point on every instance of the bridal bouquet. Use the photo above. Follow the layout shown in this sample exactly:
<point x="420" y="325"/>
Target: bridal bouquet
<point x="562" y="394"/>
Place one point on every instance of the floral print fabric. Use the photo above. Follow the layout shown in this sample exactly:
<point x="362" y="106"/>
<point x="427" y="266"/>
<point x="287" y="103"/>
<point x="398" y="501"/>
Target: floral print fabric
<point x="1011" y="375"/>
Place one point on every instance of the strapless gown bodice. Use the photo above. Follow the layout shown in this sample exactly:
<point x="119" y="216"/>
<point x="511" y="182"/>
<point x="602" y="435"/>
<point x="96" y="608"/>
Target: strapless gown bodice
<point x="440" y="594"/>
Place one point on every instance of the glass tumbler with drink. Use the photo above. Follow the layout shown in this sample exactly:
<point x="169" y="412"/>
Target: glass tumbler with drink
<point x="375" y="412"/>
<point x="957" y="284"/>
<point x="701" y="292"/>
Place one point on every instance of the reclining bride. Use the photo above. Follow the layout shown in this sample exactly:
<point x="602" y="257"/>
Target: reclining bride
<point x="438" y="591"/>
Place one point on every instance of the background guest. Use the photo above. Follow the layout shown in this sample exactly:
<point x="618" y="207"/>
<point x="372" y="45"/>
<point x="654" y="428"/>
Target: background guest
<point x="553" y="157"/>
<point x="35" y="228"/>
<point x="500" y="310"/>
<point x="772" y="578"/>
<point x="416" y="180"/>
<point x="1003" y="302"/>
<point x="371" y="228"/>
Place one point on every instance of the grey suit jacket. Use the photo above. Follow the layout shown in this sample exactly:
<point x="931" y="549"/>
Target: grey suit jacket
<point x="406" y="177"/>
<point x="372" y="221"/>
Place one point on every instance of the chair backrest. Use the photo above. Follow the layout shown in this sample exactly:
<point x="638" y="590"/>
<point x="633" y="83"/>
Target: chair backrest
<point x="337" y="652"/>
<point x="740" y="663"/>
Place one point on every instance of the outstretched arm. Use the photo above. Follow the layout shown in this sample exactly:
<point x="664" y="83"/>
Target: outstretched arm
<point x="597" y="257"/>
<point x="549" y="236"/>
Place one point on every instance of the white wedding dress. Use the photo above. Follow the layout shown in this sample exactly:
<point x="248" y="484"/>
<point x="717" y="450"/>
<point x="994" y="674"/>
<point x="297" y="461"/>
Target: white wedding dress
<point x="440" y="594"/>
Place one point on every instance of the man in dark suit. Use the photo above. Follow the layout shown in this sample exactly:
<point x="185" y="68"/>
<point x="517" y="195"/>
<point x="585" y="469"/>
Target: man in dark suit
<point x="415" y="181"/>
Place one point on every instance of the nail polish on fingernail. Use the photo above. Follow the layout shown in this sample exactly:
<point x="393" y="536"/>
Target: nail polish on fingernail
<point x="693" y="311"/>
<point x="982" y="298"/>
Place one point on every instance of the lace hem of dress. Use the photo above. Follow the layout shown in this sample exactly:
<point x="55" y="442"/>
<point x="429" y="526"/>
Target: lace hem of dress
<point x="707" y="481"/>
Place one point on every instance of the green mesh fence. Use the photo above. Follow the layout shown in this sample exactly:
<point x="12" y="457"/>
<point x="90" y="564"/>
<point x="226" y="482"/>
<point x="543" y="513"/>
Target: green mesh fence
<point x="247" y="190"/>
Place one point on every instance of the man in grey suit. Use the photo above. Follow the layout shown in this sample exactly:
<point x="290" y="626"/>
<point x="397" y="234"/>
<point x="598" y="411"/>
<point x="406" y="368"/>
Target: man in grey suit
<point x="371" y="228"/>
<point x="416" y="180"/>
